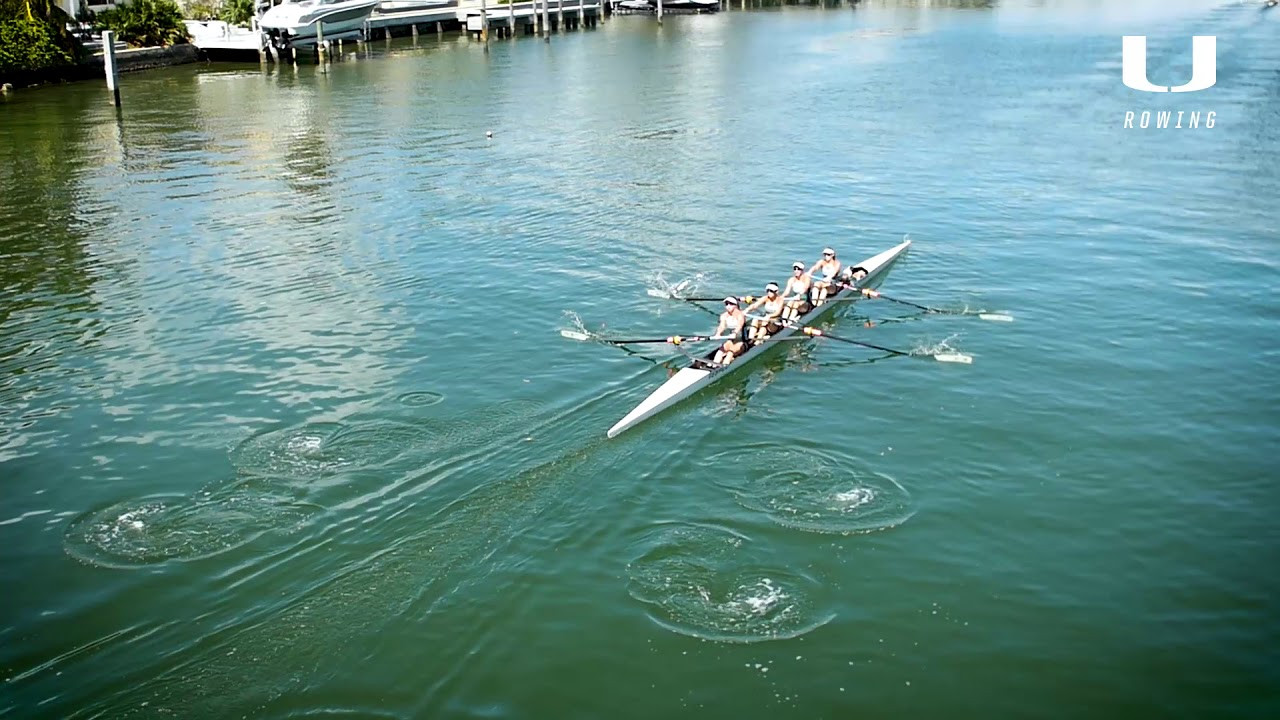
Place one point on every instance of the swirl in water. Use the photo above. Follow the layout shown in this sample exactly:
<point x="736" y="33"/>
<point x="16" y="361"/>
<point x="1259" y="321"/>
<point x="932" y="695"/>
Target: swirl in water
<point x="316" y="450"/>
<point x="155" y="530"/>
<point x="821" y="492"/>
<point x="710" y="583"/>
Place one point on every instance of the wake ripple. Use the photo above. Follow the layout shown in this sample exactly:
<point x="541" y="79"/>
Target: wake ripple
<point x="819" y="491"/>
<point x="706" y="582"/>
<point x="153" y="530"/>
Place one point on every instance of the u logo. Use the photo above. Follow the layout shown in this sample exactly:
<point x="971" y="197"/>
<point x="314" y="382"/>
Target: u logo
<point x="1204" y="64"/>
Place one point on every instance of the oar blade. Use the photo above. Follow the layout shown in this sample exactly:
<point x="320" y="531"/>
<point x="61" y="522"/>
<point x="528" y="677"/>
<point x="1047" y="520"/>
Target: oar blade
<point x="575" y="335"/>
<point x="954" y="358"/>
<point x="662" y="294"/>
<point x="995" y="317"/>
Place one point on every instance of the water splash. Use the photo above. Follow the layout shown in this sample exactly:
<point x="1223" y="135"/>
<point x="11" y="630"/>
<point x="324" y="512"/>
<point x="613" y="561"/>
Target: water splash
<point x="658" y="286"/>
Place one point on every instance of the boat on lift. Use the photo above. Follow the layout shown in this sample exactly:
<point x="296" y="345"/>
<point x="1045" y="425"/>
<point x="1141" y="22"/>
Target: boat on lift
<point x="295" y="23"/>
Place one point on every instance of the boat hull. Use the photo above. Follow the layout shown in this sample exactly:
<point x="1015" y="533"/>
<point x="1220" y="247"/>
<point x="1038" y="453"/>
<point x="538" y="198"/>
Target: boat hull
<point x="691" y="379"/>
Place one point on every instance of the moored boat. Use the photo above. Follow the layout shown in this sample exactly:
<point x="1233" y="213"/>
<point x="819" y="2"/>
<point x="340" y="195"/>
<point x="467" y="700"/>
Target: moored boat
<point x="295" y="23"/>
<point x="701" y="372"/>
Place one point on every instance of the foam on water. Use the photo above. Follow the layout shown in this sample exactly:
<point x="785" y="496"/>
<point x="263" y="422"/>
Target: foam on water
<point x="712" y="583"/>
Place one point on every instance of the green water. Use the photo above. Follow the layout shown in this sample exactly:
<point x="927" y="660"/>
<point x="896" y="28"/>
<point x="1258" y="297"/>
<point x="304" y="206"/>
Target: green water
<point x="287" y="427"/>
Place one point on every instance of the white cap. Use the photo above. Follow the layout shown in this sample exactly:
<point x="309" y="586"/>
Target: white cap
<point x="797" y="265"/>
<point x="731" y="300"/>
<point x="771" y="287"/>
<point x="828" y="251"/>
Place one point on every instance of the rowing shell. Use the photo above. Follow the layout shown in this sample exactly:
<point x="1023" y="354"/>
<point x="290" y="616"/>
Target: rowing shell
<point x="700" y="373"/>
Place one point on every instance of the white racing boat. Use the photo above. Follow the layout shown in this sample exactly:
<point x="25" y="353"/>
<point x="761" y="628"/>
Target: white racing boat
<point x="702" y="372"/>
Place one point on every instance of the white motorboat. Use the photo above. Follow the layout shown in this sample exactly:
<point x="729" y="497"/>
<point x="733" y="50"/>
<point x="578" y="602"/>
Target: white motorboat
<point x="396" y="6"/>
<point x="296" y="23"/>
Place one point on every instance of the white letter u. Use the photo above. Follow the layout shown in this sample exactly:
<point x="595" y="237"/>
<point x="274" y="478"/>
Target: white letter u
<point x="1204" y="64"/>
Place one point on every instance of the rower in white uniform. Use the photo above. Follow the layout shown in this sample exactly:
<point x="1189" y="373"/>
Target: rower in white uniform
<point x="826" y="269"/>
<point x="796" y="295"/>
<point x="733" y="327"/>
<point x="768" y="321"/>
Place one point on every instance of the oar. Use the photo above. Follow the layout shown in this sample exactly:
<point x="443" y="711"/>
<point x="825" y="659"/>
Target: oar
<point x="940" y="357"/>
<point x="998" y="317"/>
<point x="672" y="339"/>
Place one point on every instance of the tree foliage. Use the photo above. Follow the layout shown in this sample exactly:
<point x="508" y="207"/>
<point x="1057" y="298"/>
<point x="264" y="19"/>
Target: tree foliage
<point x="146" y="23"/>
<point x="34" y="38"/>
<point x="237" y="12"/>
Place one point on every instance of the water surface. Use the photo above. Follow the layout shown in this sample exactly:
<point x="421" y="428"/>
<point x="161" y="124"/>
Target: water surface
<point x="287" y="427"/>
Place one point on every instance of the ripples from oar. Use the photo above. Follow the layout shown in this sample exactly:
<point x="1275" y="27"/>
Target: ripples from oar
<point x="154" y="530"/>
<point x="712" y="583"/>
<point x="819" y="491"/>
<point x="314" y="451"/>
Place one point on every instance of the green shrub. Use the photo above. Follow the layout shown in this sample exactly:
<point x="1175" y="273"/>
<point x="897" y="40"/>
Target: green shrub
<point x="237" y="12"/>
<point x="34" y="38"/>
<point x="146" y="23"/>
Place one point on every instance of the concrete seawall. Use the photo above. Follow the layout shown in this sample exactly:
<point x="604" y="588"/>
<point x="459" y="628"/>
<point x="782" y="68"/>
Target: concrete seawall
<point x="148" y="58"/>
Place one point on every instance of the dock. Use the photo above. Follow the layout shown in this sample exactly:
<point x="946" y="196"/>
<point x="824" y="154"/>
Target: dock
<point x="480" y="19"/>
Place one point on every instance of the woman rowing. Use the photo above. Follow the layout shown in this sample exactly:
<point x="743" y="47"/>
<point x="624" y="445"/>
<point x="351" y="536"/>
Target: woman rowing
<point x="769" y="321"/>
<point x="733" y="326"/>
<point x="796" y="295"/>
<point x="829" y="268"/>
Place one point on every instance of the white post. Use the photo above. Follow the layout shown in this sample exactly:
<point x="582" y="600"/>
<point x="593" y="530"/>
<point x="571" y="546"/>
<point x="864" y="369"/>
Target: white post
<point x="109" y="64"/>
<point x="659" y="12"/>
<point x="546" y="20"/>
<point x="484" y="24"/>
<point x="511" y="17"/>
<point x="320" y="44"/>
<point x="560" y="15"/>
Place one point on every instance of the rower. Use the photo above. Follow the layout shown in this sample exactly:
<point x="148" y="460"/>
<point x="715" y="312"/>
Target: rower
<point x="769" y="322"/>
<point x="829" y="267"/>
<point x="733" y="326"/>
<point x="796" y="295"/>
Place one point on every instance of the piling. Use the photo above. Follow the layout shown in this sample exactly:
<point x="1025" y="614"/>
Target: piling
<point x="320" y="44"/>
<point x="659" y="12"/>
<point x="109" y="64"/>
<point x="560" y="15"/>
<point x="439" y="28"/>
<point x="511" y="19"/>
<point x="546" y="20"/>
<point x="414" y="28"/>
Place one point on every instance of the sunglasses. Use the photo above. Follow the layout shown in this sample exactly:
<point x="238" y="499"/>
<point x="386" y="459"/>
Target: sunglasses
<point x="828" y="254"/>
